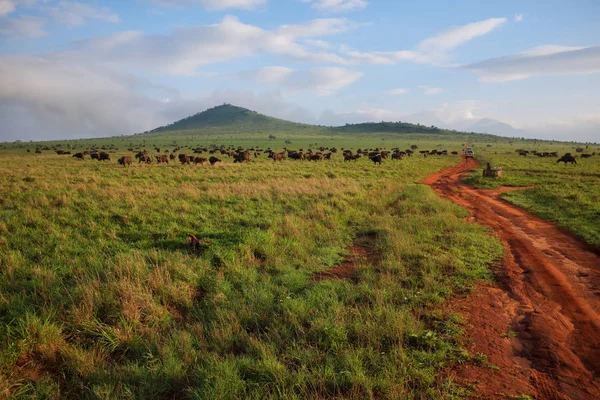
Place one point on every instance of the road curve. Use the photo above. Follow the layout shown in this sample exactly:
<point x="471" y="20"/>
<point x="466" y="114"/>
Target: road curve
<point x="548" y="288"/>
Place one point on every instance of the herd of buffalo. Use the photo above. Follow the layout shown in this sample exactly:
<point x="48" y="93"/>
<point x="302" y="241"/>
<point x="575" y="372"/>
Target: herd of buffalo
<point x="208" y="154"/>
<point x="240" y="155"/>
<point x="567" y="158"/>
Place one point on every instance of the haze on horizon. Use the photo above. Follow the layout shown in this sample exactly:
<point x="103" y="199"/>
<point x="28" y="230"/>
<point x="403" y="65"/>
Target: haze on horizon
<point x="73" y="69"/>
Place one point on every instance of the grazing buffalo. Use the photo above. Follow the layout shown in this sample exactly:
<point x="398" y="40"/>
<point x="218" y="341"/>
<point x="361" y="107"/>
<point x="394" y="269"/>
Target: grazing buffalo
<point x="278" y="156"/>
<point x="376" y="159"/>
<point x="79" y="156"/>
<point x="95" y="156"/>
<point x="103" y="156"/>
<point x="143" y="157"/>
<point x="172" y="156"/>
<point x="183" y="159"/>
<point x="586" y="155"/>
<point x="125" y="161"/>
<point x="243" y="156"/>
<point x="200" y="160"/>
<point x="397" y="156"/>
<point x="213" y="160"/>
<point x="567" y="158"/>
<point x="162" y="159"/>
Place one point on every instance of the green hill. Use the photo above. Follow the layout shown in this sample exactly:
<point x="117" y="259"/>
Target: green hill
<point x="388" y="127"/>
<point x="231" y="118"/>
<point x="228" y="119"/>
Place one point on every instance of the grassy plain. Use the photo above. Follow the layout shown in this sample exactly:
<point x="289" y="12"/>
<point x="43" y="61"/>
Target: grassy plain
<point x="101" y="297"/>
<point x="568" y="195"/>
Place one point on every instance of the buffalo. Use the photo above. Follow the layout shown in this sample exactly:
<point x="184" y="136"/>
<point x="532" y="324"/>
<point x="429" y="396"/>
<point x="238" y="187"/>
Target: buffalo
<point x="102" y="156"/>
<point x="567" y="158"/>
<point x="278" y="156"/>
<point x="213" y="160"/>
<point x="376" y="159"/>
<point x="243" y="156"/>
<point x="125" y="161"/>
<point x="143" y="157"/>
<point x="162" y="159"/>
<point x="79" y="156"/>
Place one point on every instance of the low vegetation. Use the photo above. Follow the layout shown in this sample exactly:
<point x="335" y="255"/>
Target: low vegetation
<point x="103" y="297"/>
<point x="566" y="194"/>
<point x="198" y="281"/>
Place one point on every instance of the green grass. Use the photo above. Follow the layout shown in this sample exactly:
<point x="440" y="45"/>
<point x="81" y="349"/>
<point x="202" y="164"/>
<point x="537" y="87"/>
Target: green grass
<point x="567" y="195"/>
<point x="93" y="306"/>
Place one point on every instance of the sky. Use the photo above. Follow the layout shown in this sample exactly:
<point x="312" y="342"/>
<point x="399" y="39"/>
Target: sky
<point x="75" y="68"/>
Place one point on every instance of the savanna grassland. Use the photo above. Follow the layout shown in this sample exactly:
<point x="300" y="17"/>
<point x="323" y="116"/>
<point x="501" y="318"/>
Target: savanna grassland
<point x="101" y="296"/>
<point x="566" y="194"/>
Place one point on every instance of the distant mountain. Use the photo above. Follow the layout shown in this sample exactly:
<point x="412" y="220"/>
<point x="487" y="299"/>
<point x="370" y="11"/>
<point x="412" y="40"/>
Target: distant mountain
<point x="488" y="125"/>
<point x="387" y="127"/>
<point x="231" y="118"/>
<point x="479" y="125"/>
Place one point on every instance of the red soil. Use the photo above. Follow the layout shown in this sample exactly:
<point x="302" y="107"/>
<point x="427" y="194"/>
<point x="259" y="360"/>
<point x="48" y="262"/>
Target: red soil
<point x="540" y="322"/>
<point x="361" y="252"/>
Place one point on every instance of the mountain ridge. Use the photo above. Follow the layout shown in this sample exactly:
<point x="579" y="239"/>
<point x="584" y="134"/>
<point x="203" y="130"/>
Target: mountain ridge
<point x="228" y="117"/>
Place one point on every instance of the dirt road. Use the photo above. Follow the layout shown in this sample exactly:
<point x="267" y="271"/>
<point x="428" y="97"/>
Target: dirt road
<point x="540" y="322"/>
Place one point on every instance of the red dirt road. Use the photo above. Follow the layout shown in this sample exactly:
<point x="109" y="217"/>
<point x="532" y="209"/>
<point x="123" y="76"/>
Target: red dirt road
<point x="540" y="322"/>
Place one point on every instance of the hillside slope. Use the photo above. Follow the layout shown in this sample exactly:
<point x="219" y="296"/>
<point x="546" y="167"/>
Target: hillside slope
<point x="231" y="118"/>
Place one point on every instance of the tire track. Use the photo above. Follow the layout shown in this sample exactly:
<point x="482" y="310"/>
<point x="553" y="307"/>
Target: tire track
<point x="549" y="286"/>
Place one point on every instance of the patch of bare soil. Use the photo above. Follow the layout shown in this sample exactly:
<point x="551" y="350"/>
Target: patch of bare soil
<point x="540" y="323"/>
<point x="361" y="252"/>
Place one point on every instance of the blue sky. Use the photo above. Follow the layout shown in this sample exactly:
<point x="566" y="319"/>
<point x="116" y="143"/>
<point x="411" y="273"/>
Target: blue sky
<point x="98" y="68"/>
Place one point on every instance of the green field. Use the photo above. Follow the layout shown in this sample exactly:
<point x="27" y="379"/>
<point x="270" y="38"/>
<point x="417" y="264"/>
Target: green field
<point x="101" y="296"/>
<point x="568" y="195"/>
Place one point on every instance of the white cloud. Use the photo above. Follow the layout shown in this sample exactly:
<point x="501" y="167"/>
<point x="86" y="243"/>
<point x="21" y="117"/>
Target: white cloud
<point x="9" y="6"/>
<point x="433" y="50"/>
<point x="518" y="18"/>
<point x="43" y="99"/>
<point x="431" y="90"/>
<point x="544" y="60"/>
<point x="383" y="57"/>
<point x="580" y="127"/>
<point x="549" y="49"/>
<point x="6" y="7"/>
<point x="398" y="91"/>
<point x="325" y="81"/>
<point x="27" y="26"/>
<point x="63" y="12"/>
<point x="214" y="4"/>
<point x="337" y="6"/>
<point x="55" y="97"/>
<point x="74" y="13"/>
<point x="321" y="44"/>
<point x="459" y="35"/>
<point x="185" y="50"/>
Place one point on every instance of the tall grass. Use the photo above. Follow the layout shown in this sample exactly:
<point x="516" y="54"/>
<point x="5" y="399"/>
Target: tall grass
<point x="101" y="297"/>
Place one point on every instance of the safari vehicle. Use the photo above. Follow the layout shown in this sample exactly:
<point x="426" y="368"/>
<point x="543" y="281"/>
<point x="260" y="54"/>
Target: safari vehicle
<point x="469" y="153"/>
